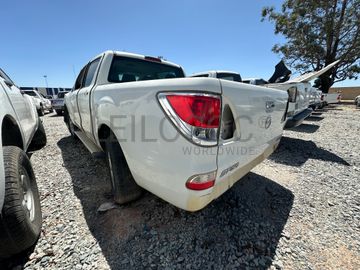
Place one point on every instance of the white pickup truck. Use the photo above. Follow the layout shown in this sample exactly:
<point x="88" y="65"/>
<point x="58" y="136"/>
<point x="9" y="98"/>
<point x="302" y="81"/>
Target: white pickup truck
<point x="186" y="140"/>
<point x="331" y="98"/>
<point x="21" y="131"/>
<point x="40" y="101"/>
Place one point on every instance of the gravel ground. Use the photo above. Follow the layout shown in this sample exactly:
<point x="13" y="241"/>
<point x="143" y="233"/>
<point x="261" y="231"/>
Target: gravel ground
<point x="300" y="209"/>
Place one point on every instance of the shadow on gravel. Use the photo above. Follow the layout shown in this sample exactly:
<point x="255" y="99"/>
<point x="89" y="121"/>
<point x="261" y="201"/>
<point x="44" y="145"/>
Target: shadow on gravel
<point x="334" y="108"/>
<point x="316" y="113"/>
<point x="17" y="262"/>
<point x="314" y="118"/>
<point x="240" y="229"/>
<point x="295" y="152"/>
<point x="306" y="128"/>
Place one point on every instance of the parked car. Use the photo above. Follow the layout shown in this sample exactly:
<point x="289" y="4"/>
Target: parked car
<point x="225" y="75"/>
<point x="331" y="98"/>
<point x="255" y="81"/>
<point x="186" y="140"/>
<point x="315" y="98"/>
<point x="299" y="89"/>
<point x="21" y="131"/>
<point x="58" y="103"/>
<point x="41" y="102"/>
<point x="357" y="101"/>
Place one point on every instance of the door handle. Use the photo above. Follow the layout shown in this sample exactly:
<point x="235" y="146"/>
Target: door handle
<point x="86" y="93"/>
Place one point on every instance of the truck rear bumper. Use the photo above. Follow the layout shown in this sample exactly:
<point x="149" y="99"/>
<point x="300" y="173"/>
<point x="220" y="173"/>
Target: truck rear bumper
<point x="195" y="203"/>
<point x="297" y="119"/>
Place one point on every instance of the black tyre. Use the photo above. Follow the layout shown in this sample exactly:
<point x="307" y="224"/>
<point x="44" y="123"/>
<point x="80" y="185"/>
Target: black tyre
<point x="59" y="112"/>
<point x="41" y="111"/>
<point x="39" y="140"/>
<point x="20" y="220"/>
<point x="124" y="187"/>
<point x="70" y="125"/>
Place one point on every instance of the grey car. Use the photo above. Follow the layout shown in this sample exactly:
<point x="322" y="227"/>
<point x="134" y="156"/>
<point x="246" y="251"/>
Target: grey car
<point x="58" y="103"/>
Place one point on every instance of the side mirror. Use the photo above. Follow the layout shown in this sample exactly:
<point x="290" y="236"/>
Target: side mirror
<point x="22" y="92"/>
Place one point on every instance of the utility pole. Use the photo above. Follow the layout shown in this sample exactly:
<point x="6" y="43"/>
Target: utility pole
<point x="46" y="82"/>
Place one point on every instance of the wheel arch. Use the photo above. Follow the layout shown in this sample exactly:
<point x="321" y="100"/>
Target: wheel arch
<point x="103" y="133"/>
<point x="11" y="133"/>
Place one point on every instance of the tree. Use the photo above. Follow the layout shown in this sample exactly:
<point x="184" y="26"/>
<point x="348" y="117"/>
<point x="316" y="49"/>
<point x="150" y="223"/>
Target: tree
<point x="318" y="32"/>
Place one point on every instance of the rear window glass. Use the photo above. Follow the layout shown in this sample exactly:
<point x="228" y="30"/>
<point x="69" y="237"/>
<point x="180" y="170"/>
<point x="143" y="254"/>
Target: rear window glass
<point x="125" y="69"/>
<point x="201" y="76"/>
<point x="61" y="94"/>
<point x="30" y="93"/>
<point x="229" y="77"/>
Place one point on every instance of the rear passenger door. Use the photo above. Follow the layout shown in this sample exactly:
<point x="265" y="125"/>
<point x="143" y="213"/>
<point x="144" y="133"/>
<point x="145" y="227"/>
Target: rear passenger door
<point x="71" y="100"/>
<point x="84" y="96"/>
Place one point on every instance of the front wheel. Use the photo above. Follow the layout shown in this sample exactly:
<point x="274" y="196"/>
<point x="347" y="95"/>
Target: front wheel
<point x="20" y="219"/>
<point x="124" y="187"/>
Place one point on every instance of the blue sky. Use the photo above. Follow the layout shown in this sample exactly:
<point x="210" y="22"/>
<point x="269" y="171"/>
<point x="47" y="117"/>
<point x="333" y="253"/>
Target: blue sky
<point x="56" y="38"/>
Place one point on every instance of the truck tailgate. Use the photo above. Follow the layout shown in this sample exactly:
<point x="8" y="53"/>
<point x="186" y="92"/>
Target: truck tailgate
<point x="258" y="114"/>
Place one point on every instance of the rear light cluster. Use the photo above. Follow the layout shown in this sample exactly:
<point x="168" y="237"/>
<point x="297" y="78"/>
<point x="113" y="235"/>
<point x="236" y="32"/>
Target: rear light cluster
<point x="197" y="116"/>
<point x="201" y="181"/>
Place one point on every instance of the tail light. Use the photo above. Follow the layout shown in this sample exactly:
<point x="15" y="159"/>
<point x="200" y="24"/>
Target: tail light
<point x="153" y="59"/>
<point x="201" y="181"/>
<point x="339" y="97"/>
<point x="197" y="116"/>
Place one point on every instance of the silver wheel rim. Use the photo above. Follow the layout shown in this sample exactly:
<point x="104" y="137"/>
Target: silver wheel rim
<point x="28" y="196"/>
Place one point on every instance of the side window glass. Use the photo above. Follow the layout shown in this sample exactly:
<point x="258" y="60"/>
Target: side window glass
<point x="79" y="79"/>
<point x="91" y="72"/>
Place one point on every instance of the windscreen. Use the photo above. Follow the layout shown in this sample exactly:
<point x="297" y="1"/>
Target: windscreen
<point x="229" y="76"/>
<point x="125" y="69"/>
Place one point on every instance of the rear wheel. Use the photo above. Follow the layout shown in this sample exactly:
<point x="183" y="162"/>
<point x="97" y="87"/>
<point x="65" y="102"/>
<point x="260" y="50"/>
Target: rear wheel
<point x="20" y="220"/>
<point x="124" y="187"/>
<point x="70" y="125"/>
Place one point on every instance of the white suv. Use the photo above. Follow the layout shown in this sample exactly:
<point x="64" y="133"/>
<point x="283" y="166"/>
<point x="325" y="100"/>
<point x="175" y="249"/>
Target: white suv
<point x="21" y="131"/>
